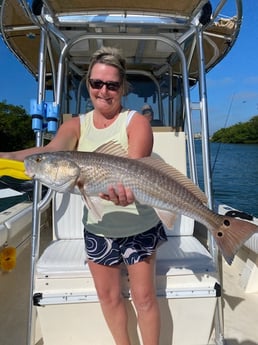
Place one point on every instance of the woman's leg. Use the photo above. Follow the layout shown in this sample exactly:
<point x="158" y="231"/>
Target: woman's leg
<point x="142" y="283"/>
<point x="107" y="281"/>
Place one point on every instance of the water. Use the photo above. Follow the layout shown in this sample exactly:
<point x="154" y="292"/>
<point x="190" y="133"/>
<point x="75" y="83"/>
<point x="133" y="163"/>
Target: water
<point x="235" y="176"/>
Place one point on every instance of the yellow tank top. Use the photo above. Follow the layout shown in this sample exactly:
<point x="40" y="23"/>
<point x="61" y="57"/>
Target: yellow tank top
<point x="117" y="221"/>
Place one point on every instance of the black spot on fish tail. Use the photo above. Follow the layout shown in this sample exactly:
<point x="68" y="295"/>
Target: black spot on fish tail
<point x="231" y="235"/>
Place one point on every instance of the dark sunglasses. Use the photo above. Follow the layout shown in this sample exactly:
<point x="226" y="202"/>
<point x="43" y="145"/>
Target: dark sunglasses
<point x="98" y="84"/>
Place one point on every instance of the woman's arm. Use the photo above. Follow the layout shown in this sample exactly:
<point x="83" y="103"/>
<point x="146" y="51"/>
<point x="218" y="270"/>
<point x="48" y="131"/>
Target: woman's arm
<point x="66" y="139"/>
<point x="140" y="137"/>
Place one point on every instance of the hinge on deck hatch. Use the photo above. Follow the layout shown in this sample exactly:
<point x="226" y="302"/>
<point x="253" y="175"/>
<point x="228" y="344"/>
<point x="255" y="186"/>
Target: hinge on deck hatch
<point x="217" y="288"/>
<point x="37" y="297"/>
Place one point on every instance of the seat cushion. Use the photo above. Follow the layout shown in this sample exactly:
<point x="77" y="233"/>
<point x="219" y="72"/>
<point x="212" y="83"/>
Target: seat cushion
<point x="252" y="243"/>
<point x="178" y="256"/>
<point x="63" y="258"/>
<point x="183" y="255"/>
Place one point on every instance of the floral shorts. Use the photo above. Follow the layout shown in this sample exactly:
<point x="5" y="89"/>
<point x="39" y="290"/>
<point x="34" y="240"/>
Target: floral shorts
<point x="130" y="250"/>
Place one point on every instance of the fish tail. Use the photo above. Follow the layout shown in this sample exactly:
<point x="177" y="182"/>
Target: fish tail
<point x="231" y="235"/>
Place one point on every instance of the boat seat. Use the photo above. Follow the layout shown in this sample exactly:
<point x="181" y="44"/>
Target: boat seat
<point x="65" y="256"/>
<point x="180" y="255"/>
<point x="252" y="243"/>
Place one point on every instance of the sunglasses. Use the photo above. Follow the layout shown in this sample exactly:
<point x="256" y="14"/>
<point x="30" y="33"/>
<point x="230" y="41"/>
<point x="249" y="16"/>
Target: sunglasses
<point x="98" y="84"/>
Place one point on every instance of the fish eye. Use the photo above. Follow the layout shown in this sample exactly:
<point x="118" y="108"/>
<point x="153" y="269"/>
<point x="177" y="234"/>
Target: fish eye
<point x="38" y="159"/>
<point x="226" y="222"/>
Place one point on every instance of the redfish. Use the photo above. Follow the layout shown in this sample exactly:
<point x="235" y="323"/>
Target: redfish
<point x="152" y="181"/>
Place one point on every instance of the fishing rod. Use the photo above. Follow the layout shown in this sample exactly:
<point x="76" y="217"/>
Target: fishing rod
<point x="225" y="125"/>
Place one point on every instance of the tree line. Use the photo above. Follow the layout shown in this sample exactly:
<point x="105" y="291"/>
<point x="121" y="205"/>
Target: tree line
<point x="16" y="132"/>
<point x="15" y="128"/>
<point x="240" y="133"/>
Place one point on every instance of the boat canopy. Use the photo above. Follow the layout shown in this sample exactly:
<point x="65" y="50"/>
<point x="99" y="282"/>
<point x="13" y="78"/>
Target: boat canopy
<point x="143" y="31"/>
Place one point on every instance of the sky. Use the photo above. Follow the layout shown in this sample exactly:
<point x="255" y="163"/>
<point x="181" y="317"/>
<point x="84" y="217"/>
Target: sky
<point x="232" y="85"/>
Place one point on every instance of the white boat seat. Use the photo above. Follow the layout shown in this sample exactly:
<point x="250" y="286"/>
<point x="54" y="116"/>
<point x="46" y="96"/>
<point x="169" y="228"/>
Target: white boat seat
<point x="182" y="254"/>
<point x="252" y="243"/>
<point x="63" y="258"/>
<point x="179" y="255"/>
<point x="67" y="216"/>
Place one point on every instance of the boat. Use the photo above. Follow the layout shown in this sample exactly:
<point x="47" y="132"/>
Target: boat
<point x="169" y="47"/>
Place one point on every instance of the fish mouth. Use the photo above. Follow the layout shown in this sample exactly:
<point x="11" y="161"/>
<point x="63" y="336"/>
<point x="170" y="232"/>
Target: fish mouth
<point x="28" y="172"/>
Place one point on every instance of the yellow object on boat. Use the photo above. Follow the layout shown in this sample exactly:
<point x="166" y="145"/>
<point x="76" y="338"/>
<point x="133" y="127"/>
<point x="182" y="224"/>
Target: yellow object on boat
<point x="16" y="169"/>
<point x="7" y="259"/>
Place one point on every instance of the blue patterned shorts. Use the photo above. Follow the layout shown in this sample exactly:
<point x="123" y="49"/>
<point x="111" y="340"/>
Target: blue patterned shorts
<point x="130" y="250"/>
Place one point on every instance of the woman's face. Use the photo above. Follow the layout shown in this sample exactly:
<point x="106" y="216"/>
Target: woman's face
<point x="106" y="98"/>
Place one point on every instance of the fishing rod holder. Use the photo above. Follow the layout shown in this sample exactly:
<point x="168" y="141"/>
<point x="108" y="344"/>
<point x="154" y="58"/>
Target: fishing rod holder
<point x="37" y="115"/>
<point x="52" y="116"/>
<point x="45" y="116"/>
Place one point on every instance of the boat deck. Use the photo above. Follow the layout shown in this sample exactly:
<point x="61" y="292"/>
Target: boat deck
<point x="240" y="309"/>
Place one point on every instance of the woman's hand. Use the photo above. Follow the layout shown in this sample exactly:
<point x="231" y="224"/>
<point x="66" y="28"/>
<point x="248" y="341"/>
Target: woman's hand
<point x="119" y="196"/>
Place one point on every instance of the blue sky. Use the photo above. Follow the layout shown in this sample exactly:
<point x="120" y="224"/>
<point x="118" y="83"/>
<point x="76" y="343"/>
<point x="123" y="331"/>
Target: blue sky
<point x="232" y="84"/>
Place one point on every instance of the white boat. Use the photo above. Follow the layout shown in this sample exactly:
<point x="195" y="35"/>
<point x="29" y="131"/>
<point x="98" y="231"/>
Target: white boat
<point x="169" y="47"/>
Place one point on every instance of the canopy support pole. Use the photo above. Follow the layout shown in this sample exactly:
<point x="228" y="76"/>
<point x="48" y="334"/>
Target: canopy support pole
<point x="218" y="317"/>
<point x="36" y="197"/>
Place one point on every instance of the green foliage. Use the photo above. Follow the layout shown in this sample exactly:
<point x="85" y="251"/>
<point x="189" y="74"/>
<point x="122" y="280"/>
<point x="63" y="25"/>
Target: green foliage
<point x="15" y="128"/>
<point x="241" y="133"/>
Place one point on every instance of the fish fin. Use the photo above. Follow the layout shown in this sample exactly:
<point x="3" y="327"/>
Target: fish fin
<point x="231" y="235"/>
<point x="93" y="204"/>
<point x="112" y="148"/>
<point x="177" y="175"/>
<point x="167" y="218"/>
<point x="96" y="207"/>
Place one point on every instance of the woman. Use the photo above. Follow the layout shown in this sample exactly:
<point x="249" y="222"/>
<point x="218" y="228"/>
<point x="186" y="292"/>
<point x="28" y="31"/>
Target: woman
<point x="128" y="232"/>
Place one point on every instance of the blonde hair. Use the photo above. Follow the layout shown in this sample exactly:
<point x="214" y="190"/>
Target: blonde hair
<point x="112" y="57"/>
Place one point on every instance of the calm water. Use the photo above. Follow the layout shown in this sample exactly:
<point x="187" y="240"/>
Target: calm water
<point x="235" y="176"/>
